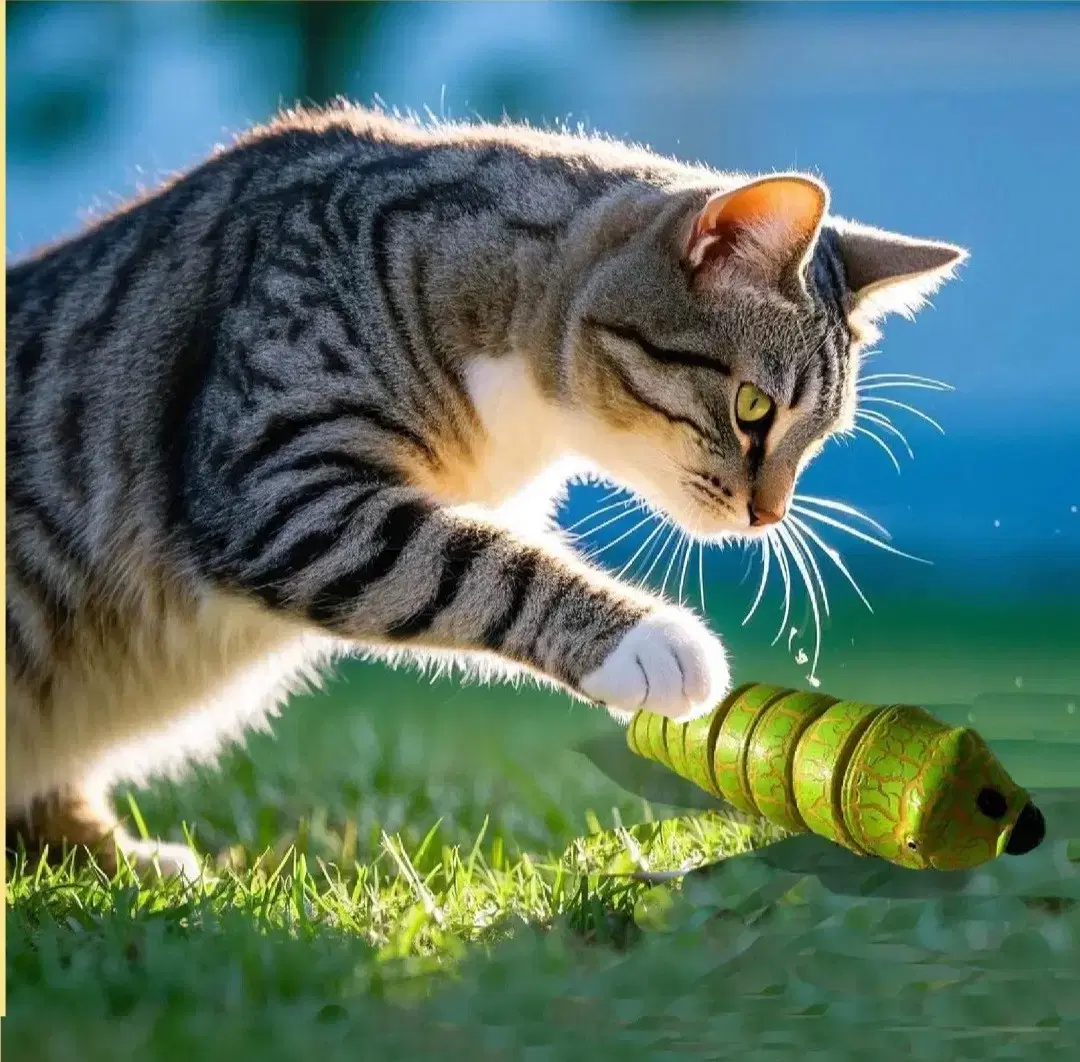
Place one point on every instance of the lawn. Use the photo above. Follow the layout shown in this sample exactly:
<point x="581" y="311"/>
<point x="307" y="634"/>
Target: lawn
<point x="407" y="870"/>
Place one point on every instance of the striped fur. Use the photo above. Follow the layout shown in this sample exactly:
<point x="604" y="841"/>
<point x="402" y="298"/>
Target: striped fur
<point x="300" y="400"/>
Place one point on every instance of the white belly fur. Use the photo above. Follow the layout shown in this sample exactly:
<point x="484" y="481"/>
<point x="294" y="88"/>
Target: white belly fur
<point x="170" y="688"/>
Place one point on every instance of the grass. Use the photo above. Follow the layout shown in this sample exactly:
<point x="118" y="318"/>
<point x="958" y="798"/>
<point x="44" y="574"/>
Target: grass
<point x="360" y="859"/>
<point x="405" y="872"/>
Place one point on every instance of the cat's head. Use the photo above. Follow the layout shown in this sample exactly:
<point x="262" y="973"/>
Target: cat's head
<point x="715" y="351"/>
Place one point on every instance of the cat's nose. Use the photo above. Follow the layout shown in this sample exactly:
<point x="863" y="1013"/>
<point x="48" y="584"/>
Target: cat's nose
<point x="762" y="514"/>
<point x="769" y="494"/>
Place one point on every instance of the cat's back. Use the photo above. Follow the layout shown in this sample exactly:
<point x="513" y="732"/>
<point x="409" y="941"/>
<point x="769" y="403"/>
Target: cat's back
<point x="303" y="154"/>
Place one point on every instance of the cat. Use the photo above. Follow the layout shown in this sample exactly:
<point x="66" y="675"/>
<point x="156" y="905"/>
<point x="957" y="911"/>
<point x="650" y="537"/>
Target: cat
<point x="320" y="393"/>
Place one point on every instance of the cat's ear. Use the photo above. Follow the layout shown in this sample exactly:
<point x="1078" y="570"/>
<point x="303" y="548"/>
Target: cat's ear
<point x="766" y="227"/>
<point x="890" y="273"/>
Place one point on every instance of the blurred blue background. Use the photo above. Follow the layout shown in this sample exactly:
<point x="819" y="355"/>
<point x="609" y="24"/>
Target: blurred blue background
<point x="951" y="121"/>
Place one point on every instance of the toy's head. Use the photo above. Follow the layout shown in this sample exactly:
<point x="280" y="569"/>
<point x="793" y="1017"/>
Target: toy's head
<point x="962" y="809"/>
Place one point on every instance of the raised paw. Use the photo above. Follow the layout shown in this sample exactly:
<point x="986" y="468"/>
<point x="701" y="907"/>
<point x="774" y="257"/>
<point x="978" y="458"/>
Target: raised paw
<point x="668" y="663"/>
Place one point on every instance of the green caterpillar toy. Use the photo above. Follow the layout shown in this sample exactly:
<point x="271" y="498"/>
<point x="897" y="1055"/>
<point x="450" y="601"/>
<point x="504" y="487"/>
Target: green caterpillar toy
<point x="884" y="780"/>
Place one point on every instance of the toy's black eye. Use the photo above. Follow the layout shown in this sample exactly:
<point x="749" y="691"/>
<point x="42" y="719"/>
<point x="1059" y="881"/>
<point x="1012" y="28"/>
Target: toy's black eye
<point x="991" y="803"/>
<point x="913" y="846"/>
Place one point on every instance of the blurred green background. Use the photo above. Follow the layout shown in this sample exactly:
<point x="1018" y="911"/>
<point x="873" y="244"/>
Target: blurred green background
<point x="917" y="122"/>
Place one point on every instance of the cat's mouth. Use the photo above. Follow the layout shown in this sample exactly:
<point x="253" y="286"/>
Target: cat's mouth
<point x="756" y="532"/>
<point x="716" y="501"/>
<point x="721" y="512"/>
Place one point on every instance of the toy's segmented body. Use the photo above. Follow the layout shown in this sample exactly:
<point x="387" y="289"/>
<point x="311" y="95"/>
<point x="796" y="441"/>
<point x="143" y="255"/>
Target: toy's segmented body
<point x="884" y="780"/>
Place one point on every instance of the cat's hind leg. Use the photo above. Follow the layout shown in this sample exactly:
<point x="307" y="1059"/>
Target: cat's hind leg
<point x="80" y="817"/>
<point x="168" y="688"/>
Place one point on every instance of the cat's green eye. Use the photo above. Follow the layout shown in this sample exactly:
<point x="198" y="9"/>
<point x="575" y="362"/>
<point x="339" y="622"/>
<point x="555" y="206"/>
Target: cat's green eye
<point x="752" y="404"/>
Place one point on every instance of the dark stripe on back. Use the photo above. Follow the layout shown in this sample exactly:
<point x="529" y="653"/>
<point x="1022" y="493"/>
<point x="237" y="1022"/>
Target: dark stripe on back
<point x="459" y="195"/>
<point x="158" y="227"/>
<point x="188" y="379"/>
<point x="333" y="359"/>
<point x="285" y="429"/>
<point x="72" y="443"/>
<point x="28" y="356"/>
<point x="328" y="458"/>
<point x="57" y="610"/>
<point x="344" y="207"/>
<point x="20" y="497"/>
<point x="241" y="280"/>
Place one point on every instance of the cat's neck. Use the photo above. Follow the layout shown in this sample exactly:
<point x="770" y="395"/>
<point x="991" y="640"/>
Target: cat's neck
<point x="526" y="436"/>
<point x="533" y="435"/>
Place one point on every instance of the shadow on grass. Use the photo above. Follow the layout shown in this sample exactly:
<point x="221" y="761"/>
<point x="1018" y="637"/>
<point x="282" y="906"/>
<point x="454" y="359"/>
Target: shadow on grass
<point x="838" y="870"/>
<point x="845" y="873"/>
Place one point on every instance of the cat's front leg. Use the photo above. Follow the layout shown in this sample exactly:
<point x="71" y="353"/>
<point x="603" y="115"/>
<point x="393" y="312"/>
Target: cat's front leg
<point x="380" y="564"/>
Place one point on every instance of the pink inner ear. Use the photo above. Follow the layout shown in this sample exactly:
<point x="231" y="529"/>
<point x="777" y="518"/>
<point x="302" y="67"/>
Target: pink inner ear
<point x="776" y="217"/>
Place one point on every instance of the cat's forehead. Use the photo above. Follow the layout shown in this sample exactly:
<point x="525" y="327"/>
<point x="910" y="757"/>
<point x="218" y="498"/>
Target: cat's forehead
<point x="761" y="330"/>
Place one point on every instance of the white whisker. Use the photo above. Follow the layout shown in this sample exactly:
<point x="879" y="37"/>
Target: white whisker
<point x="833" y="554"/>
<point x="660" y="553"/>
<point x="801" y="541"/>
<point x="785" y="575"/>
<point x="615" y="541"/>
<point x="701" y="574"/>
<point x="940" y="384"/>
<point x="674" y="558"/>
<point x="577" y="538"/>
<point x="884" y="445"/>
<point x="765" y="554"/>
<point x="641" y="549"/>
<point x="612" y="492"/>
<point x="882" y="421"/>
<point x="883" y="385"/>
<point x="686" y="564"/>
<point x="796" y="556"/>
<point x="856" y="533"/>
<point x="623" y="503"/>
<point x="841" y="507"/>
<point x="654" y="549"/>
<point x="903" y="405"/>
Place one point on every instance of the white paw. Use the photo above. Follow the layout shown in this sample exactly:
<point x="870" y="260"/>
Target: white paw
<point x="155" y="859"/>
<point x="669" y="663"/>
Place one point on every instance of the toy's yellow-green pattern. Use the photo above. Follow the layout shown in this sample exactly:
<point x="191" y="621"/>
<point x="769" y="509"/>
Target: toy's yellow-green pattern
<point x="770" y="756"/>
<point x="697" y="741"/>
<point x="819" y="766"/>
<point x="890" y="780"/>
<point x="892" y="769"/>
<point x="730" y="748"/>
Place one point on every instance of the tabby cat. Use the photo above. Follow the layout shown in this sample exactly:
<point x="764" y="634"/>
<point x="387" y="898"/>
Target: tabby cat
<point x="318" y="395"/>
